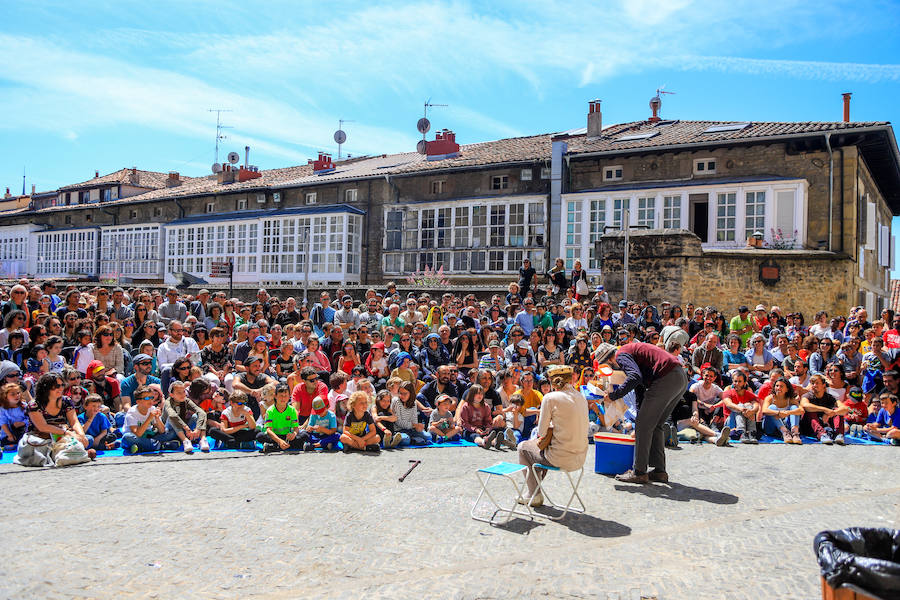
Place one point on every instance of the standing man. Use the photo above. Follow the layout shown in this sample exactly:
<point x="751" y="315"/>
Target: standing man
<point x="525" y="318"/>
<point x="120" y="311"/>
<point x="172" y="309"/>
<point x="526" y="277"/>
<point x="346" y="317"/>
<point x="200" y="307"/>
<point x="567" y="410"/>
<point x="742" y="325"/>
<point x="289" y="314"/>
<point x="659" y="382"/>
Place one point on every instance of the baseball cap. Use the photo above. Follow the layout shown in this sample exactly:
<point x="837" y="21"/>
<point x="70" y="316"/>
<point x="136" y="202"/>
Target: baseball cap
<point x="142" y="358"/>
<point x="251" y="359"/>
<point x="494" y="344"/>
<point x="855" y="393"/>
<point x="347" y="297"/>
<point x="603" y="352"/>
<point x="623" y="303"/>
<point x="318" y="404"/>
<point x="93" y="367"/>
<point x="523" y="344"/>
<point x="760" y="307"/>
<point x="260" y="338"/>
<point x="743" y="308"/>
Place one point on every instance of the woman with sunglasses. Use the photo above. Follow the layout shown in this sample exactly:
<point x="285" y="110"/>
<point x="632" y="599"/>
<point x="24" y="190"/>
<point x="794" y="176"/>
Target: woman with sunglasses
<point x="147" y="332"/>
<point x="53" y="414"/>
<point x="108" y="351"/>
<point x="549" y="352"/>
<point x="823" y="357"/>
<point x="14" y="321"/>
<point x="73" y="388"/>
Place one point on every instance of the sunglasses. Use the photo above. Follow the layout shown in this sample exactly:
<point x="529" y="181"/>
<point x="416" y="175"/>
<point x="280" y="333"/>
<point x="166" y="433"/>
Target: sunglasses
<point x="311" y="379"/>
<point x="147" y="398"/>
<point x="182" y="368"/>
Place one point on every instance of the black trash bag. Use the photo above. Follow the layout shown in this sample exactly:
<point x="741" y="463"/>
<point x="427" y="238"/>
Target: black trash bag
<point x="866" y="558"/>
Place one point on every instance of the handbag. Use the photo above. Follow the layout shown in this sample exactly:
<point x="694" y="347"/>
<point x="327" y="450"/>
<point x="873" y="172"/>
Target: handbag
<point x="68" y="451"/>
<point x="33" y="451"/>
<point x="581" y="287"/>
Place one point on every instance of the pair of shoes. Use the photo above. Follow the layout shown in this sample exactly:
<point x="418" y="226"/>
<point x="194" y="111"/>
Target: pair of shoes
<point x="204" y="444"/>
<point x="797" y="439"/>
<point x="328" y="447"/>
<point x="188" y="447"/>
<point x="499" y="439"/>
<point x="746" y="438"/>
<point x="396" y="441"/>
<point x="510" y="438"/>
<point x="307" y="447"/>
<point x="536" y="500"/>
<point x="630" y="476"/>
<point x="269" y="447"/>
<point x="173" y="445"/>
<point x="348" y="449"/>
<point x="786" y="437"/>
<point x="826" y="439"/>
<point x="658" y="476"/>
<point x="723" y="438"/>
<point x="839" y="440"/>
<point x="387" y="439"/>
<point x="374" y="448"/>
<point x="488" y="440"/>
<point x="895" y="441"/>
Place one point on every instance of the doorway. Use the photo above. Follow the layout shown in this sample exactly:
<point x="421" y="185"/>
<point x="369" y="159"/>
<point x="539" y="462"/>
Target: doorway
<point x="700" y="215"/>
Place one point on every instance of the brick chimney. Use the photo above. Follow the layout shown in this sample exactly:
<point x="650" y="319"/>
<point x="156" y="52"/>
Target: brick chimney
<point x="8" y="195"/>
<point x="135" y="177"/>
<point x="443" y="146"/>
<point x="846" y="96"/>
<point x="594" y="119"/>
<point x="96" y="174"/>
<point x="32" y="189"/>
<point x="323" y="164"/>
<point x="174" y="179"/>
<point x="655" y="104"/>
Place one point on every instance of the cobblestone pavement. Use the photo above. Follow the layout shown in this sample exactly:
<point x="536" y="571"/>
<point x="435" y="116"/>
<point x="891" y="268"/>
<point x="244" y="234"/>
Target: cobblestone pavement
<point x="738" y="523"/>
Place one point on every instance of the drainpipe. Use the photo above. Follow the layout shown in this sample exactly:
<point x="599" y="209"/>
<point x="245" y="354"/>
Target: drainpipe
<point x="841" y="150"/>
<point x="180" y="208"/>
<point x="557" y="155"/>
<point x="830" y="188"/>
<point x="114" y="215"/>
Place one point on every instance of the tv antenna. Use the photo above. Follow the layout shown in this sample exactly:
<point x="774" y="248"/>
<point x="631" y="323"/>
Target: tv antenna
<point x="424" y="125"/>
<point x="219" y="135"/>
<point x="340" y="136"/>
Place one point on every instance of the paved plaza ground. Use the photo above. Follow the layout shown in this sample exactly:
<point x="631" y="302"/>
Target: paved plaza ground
<point x="737" y="523"/>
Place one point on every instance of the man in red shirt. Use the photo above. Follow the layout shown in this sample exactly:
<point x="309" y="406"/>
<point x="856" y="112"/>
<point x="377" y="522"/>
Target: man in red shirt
<point x="892" y="335"/>
<point x="308" y="389"/>
<point x="741" y="408"/>
<point x="659" y="382"/>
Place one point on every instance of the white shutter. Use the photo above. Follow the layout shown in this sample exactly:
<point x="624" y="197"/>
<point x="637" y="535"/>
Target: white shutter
<point x="862" y="262"/>
<point x="883" y="241"/>
<point x="784" y="212"/>
<point x="870" y="225"/>
<point x="892" y="251"/>
<point x="870" y="303"/>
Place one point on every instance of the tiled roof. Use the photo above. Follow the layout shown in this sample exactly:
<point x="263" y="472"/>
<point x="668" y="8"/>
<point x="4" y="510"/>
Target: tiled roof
<point x="673" y="133"/>
<point x="241" y="215"/>
<point x="136" y="177"/>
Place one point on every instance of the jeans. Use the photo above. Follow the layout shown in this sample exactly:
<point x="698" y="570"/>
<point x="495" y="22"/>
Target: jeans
<point x="738" y="422"/>
<point x="416" y="438"/>
<point x="318" y="438"/>
<point x="147" y="444"/>
<point x="170" y="429"/>
<point x="772" y="425"/>
<point x="817" y="424"/>
<point x="437" y="439"/>
<point x="528" y="423"/>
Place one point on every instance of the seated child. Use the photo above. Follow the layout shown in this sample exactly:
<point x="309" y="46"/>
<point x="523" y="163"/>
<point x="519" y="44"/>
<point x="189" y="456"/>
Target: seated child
<point x="284" y="362"/>
<point x="37" y="364"/>
<point x="13" y="418"/>
<point x="475" y="418"/>
<point x="887" y="425"/>
<point x="96" y="425"/>
<point x="237" y="427"/>
<point x="15" y="349"/>
<point x="858" y="412"/>
<point x="360" y="434"/>
<point x="184" y="419"/>
<point x="515" y="422"/>
<point x="144" y="429"/>
<point x="408" y="427"/>
<point x="281" y="424"/>
<point x="385" y="420"/>
<point x="320" y="430"/>
<point x="441" y="424"/>
<point x="403" y="370"/>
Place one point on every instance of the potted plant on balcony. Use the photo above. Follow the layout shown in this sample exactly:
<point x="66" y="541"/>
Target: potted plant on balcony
<point x="781" y="240"/>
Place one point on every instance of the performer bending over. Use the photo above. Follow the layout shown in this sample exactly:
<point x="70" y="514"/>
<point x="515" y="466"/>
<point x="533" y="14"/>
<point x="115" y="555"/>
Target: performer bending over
<point x="659" y="381"/>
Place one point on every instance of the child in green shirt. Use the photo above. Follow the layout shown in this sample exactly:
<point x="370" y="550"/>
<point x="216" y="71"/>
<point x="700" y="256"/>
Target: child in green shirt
<point x="280" y="425"/>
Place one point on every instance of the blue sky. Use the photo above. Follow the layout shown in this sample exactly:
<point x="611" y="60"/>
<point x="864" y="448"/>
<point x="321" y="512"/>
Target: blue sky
<point x="88" y="86"/>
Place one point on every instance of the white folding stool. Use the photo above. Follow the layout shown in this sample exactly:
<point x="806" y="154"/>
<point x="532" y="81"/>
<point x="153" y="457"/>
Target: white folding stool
<point x="568" y="507"/>
<point x="507" y="471"/>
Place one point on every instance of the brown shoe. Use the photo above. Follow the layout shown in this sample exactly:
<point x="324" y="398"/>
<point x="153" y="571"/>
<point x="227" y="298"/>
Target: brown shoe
<point x="630" y="476"/>
<point x="658" y="476"/>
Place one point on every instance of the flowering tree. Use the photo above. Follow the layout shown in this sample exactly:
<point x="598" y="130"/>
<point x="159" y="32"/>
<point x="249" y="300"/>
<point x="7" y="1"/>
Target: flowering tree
<point x="428" y="278"/>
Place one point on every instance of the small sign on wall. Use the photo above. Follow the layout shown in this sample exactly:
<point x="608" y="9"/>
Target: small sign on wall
<point x="769" y="272"/>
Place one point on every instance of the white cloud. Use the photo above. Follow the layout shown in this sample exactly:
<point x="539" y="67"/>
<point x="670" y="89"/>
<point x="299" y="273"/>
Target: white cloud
<point x="796" y="69"/>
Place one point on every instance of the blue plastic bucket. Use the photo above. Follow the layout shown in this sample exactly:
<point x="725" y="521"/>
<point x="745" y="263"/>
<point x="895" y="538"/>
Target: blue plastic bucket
<point x="613" y="453"/>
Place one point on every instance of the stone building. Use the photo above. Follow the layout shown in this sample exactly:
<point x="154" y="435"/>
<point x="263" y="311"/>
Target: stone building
<point x="817" y="198"/>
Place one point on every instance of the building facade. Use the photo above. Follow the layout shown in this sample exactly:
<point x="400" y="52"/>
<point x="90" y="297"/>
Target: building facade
<point x="806" y="193"/>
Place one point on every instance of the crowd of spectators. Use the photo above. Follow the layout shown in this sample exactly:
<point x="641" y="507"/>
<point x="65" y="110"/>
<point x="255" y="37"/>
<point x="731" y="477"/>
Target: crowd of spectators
<point x="152" y="371"/>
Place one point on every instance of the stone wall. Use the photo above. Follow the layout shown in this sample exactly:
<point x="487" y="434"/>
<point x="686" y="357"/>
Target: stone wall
<point x="673" y="266"/>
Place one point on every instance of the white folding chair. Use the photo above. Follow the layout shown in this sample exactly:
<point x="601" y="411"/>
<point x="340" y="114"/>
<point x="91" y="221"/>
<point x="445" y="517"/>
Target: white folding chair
<point x="574" y="483"/>
<point x="506" y="471"/>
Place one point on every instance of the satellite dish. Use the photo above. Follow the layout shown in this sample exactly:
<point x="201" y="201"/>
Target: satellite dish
<point x="340" y="136"/>
<point x="420" y="147"/>
<point x="216" y="168"/>
<point x="423" y="125"/>
<point x="234" y="157"/>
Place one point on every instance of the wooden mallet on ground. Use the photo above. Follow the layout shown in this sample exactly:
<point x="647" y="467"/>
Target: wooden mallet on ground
<point x="415" y="464"/>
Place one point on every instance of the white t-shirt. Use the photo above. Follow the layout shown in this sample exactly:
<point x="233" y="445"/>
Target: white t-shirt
<point x="232" y="419"/>
<point x="819" y="330"/>
<point x="707" y="397"/>
<point x="134" y="418"/>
